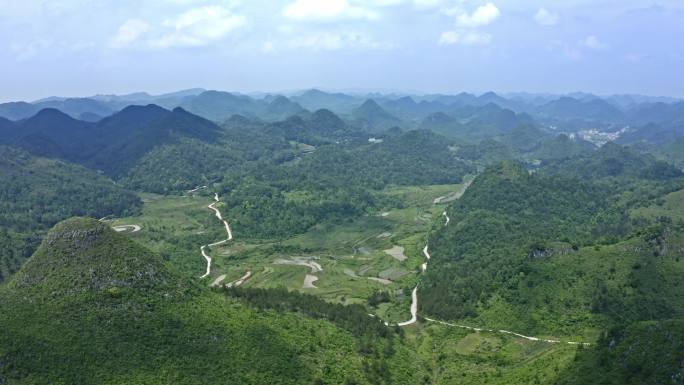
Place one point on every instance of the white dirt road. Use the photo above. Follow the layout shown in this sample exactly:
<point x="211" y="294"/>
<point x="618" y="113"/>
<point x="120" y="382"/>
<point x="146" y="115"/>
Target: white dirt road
<point x="127" y="228"/>
<point x="206" y="256"/>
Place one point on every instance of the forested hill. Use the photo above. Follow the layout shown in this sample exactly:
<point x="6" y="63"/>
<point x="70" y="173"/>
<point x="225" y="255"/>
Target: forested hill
<point x="551" y="253"/>
<point x="92" y="306"/>
<point x="335" y="181"/>
<point x="36" y="193"/>
<point x="112" y="145"/>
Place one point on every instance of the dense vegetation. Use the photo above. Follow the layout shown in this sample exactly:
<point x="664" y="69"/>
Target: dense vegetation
<point x="36" y="193"/>
<point x="510" y="224"/>
<point x="377" y="341"/>
<point x="335" y="182"/>
<point x="93" y="307"/>
<point x="589" y="245"/>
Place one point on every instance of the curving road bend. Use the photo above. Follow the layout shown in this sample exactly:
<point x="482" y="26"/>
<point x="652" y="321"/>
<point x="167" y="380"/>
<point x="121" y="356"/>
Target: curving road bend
<point x="414" y="310"/>
<point x="206" y="256"/>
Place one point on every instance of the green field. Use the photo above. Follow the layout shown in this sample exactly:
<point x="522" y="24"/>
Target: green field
<point x="351" y="254"/>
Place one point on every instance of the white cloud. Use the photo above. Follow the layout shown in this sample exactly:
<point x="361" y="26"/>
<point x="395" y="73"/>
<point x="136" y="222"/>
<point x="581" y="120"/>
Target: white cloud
<point x="592" y="42"/>
<point x="326" y="10"/>
<point x="325" y="41"/>
<point x="202" y="25"/>
<point x="466" y="38"/>
<point x="482" y="16"/>
<point x="195" y="27"/>
<point x="546" y="17"/>
<point x="391" y="3"/>
<point x="130" y="31"/>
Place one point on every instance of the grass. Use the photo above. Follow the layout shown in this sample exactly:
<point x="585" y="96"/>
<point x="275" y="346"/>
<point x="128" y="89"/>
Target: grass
<point x="671" y="206"/>
<point x="349" y="252"/>
<point x="457" y="356"/>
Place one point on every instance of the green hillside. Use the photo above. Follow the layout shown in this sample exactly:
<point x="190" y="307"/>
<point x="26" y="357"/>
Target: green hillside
<point x="537" y="249"/>
<point x="36" y="193"/>
<point x="93" y="307"/>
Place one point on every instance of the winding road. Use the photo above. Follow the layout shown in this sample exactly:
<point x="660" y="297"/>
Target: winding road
<point x="206" y="256"/>
<point x="414" y="310"/>
<point x="129" y="228"/>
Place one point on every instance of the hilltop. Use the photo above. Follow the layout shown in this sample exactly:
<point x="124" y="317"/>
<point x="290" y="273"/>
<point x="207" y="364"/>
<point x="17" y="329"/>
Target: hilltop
<point x="92" y="306"/>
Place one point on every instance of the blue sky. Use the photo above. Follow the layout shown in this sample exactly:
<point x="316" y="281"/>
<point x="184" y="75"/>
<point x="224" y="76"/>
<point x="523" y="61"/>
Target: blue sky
<point x="83" y="47"/>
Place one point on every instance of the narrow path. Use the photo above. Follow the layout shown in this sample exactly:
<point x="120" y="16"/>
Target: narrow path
<point x="132" y="228"/>
<point x="206" y="256"/>
<point x="240" y="280"/>
<point x="197" y="189"/>
<point x="414" y="294"/>
<point x="414" y="309"/>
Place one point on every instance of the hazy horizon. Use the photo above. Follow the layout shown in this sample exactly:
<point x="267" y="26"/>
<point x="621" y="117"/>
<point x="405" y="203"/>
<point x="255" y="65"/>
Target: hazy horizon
<point x="79" y="48"/>
<point x="257" y="94"/>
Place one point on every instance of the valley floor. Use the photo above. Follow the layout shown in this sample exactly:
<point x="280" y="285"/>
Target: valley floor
<point x="347" y="263"/>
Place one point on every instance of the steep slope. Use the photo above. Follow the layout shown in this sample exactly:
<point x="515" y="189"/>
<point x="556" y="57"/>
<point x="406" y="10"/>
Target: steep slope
<point x="113" y="145"/>
<point x="518" y="238"/>
<point x="53" y="133"/>
<point x="94" y="307"/>
<point x="321" y="127"/>
<point x="281" y="108"/>
<point x="36" y="193"/>
<point x="128" y="143"/>
<point x="370" y="116"/>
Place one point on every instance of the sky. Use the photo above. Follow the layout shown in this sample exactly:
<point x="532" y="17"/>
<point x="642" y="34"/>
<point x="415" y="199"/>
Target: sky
<point x="86" y="47"/>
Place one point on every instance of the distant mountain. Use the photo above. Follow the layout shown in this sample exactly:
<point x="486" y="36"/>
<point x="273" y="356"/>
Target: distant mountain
<point x="613" y="160"/>
<point x="321" y="127"/>
<point x="653" y="133"/>
<point x="462" y="99"/>
<point x="589" y="110"/>
<point x="138" y="97"/>
<point x="17" y="110"/>
<point x="75" y="107"/>
<point x="563" y="146"/>
<point x="113" y="144"/>
<point x="281" y="108"/>
<point x="525" y="138"/>
<point x="339" y="103"/>
<point x="7" y="129"/>
<point x="370" y="116"/>
<point x="408" y="109"/>
<point x="220" y="106"/>
<point x="493" y="98"/>
<point x="629" y="101"/>
<point x="657" y="113"/>
<point x="53" y="133"/>
<point x="441" y="123"/>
